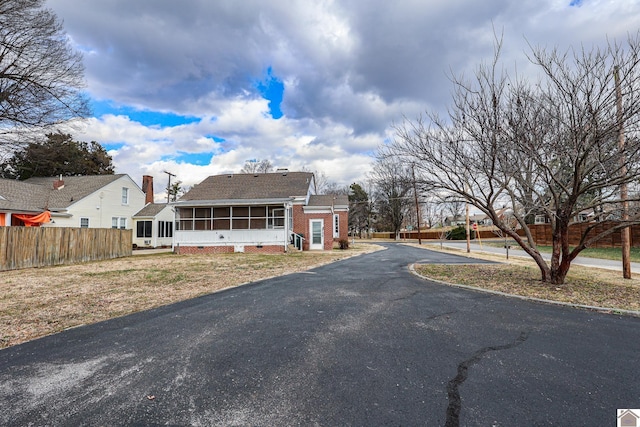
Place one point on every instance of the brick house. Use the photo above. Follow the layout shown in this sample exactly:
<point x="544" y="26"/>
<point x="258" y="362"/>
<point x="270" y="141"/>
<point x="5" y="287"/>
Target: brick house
<point x="267" y="212"/>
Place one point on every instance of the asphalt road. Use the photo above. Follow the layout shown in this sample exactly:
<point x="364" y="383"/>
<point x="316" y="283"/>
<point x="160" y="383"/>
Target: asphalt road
<point x="360" y="342"/>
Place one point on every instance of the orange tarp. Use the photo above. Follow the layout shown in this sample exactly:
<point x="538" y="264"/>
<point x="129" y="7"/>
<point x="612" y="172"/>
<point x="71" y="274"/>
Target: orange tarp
<point x="2" y="215"/>
<point x="34" y="220"/>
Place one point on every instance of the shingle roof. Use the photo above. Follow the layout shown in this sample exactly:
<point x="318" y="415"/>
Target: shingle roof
<point x="329" y="200"/>
<point x="151" y="209"/>
<point x="277" y="185"/>
<point x="75" y="188"/>
<point x="21" y="196"/>
<point x="38" y="194"/>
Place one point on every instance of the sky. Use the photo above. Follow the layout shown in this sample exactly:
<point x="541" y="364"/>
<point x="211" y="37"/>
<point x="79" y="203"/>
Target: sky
<point x="199" y="87"/>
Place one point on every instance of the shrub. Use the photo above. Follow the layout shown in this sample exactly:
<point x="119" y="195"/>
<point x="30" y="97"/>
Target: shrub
<point x="460" y="233"/>
<point x="344" y="243"/>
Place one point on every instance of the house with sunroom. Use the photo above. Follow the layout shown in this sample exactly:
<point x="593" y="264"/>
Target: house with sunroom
<point x="266" y="212"/>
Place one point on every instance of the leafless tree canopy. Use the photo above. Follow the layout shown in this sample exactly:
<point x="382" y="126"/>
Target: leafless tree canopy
<point x="548" y="147"/>
<point x="393" y="183"/>
<point x="257" y="166"/>
<point x="41" y="76"/>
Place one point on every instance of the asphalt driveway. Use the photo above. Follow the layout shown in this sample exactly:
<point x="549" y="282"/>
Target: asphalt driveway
<point x="360" y="342"/>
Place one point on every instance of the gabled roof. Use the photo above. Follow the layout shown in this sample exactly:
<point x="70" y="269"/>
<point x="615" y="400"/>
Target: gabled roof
<point x="75" y="188"/>
<point x="150" y="210"/>
<point x="329" y="200"/>
<point x="279" y="185"/>
<point x="21" y="196"/>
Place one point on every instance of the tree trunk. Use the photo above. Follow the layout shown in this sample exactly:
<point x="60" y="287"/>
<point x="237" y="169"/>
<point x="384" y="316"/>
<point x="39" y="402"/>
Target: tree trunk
<point x="560" y="259"/>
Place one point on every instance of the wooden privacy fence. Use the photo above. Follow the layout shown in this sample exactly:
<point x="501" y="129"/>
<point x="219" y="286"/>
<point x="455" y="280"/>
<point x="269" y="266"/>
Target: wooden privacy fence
<point x="541" y="234"/>
<point x="434" y="234"/>
<point x="25" y="247"/>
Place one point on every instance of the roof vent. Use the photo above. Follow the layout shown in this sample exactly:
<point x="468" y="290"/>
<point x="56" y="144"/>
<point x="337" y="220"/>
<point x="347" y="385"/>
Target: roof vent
<point x="284" y="171"/>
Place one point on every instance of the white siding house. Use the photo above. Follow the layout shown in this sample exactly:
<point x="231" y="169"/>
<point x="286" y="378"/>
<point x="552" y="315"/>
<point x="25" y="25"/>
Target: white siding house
<point x="153" y="226"/>
<point x="91" y="201"/>
<point x="95" y="201"/>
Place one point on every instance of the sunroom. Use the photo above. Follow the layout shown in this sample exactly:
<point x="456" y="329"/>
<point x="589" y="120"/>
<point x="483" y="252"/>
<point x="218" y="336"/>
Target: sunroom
<point x="234" y="227"/>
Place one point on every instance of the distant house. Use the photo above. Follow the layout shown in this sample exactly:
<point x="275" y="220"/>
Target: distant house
<point x="153" y="226"/>
<point x="90" y="201"/>
<point x="454" y="221"/>
<point x="264" y="212"/>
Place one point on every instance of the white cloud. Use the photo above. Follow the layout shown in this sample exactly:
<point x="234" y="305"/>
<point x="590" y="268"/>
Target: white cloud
<point x="350" y="69"/>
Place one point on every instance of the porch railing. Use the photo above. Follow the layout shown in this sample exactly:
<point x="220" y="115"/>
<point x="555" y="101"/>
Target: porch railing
<point x="297" y="240"/>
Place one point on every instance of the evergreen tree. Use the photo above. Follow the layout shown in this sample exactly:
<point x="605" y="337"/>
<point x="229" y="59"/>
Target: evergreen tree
<point x="59" y="154"/>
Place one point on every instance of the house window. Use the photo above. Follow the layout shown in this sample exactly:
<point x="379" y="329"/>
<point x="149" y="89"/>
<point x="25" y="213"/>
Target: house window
<point x="125" y="196"/>
<point x="258" y="219"/>
<point x="202" y="219"/>
<point x="143" y="229"/>
<point x="118" y="222"/>
<point x="276" y="217"/>
<point x="165" y="229"/>
<point x="186" y="218"/>
<point x="540" y="219"/>
<point x="240" y="218"/>
<point x="222" y="218"/>
<point x="336" y="225"/>
<point x="84" y="222"/>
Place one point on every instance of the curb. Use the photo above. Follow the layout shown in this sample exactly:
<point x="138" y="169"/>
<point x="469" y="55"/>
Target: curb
<point x="605" y="310"/>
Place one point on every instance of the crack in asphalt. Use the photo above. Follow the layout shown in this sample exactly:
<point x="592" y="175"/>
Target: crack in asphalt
<point x="453" y="393"/>
<point x="407" y="296"/>
<point x="435" y="316"/>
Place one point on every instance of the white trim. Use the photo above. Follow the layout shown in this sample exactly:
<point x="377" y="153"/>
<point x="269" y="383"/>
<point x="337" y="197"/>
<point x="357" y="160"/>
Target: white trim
<point x="316" y="246"/>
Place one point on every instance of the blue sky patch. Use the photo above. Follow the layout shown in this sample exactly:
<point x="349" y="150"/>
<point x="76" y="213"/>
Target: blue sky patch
<point x="272" y="89"/>
<point x="113" y="146"/>
<point x="576" y="3"/>
<point x="144" y="117"/>
<point x="200" y="159"/>
<point x="215" y="138"/>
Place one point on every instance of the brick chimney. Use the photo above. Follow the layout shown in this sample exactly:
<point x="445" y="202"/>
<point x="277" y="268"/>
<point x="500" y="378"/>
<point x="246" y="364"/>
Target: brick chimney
<point x="58" y="184"/>
<point x="147" y="188"/>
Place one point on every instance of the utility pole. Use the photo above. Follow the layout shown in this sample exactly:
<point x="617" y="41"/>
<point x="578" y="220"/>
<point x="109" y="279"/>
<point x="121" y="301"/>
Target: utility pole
<point x="625" y="232"/>
<point x="169" y="186"/>
<point x="415" y="193"/>
<point x="467" y="228"/>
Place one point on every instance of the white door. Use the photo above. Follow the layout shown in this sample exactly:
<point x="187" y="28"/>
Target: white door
<point x="317" y="234"/>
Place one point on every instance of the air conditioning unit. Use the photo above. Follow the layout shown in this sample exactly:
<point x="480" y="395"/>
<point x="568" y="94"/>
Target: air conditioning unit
<point x="147" y="242"/>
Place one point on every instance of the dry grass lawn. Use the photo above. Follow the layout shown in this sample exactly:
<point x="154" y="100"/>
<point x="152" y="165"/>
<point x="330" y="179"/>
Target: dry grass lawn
<point x="584" y="286"/>
<point x="41" y="301"/>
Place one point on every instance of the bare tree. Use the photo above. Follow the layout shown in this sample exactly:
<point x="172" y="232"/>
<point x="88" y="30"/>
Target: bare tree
<point x="323" y="185"/>
<point x="429" y="211"/>
<point x="393" y="188"/>
<point x="453" y="206"/>
<point x="257" y="166"/>
<point x="547" y="148"/>
<point x="41" y="76"/>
